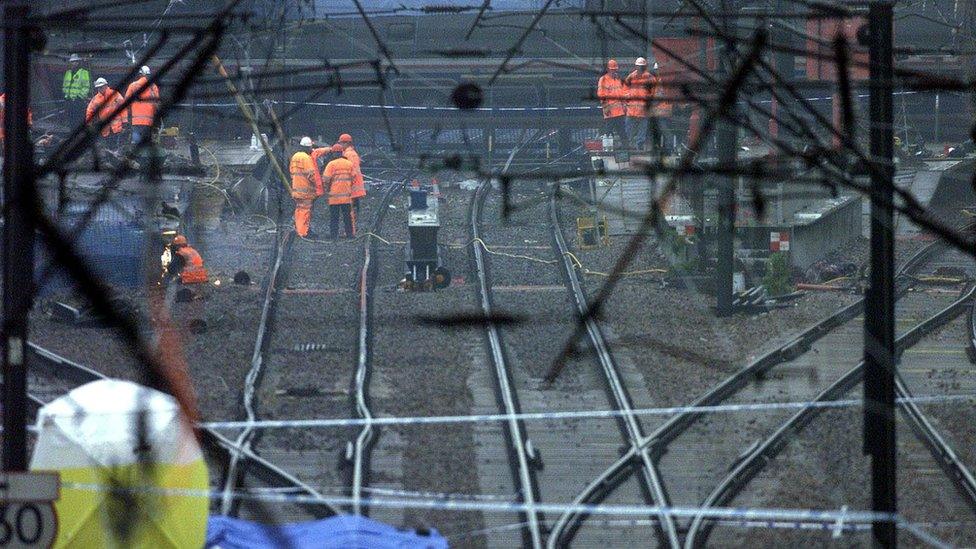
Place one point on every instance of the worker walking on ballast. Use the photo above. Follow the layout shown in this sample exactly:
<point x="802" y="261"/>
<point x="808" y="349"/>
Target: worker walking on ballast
<point x="304" y="187"/>
<point x="105" y="102"/>
<point x="142" y="110"/>
<point x="338" y="177"/>
<point x="359" y="184"/>
<point x="613" y="98"/>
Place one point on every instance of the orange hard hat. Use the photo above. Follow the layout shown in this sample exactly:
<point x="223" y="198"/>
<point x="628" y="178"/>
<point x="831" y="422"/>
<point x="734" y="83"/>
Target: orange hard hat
<point x="612" y="65"/>
<point x="180" y="240"/>
<point x="345" y="138"/>
<point x="337" y="148"/>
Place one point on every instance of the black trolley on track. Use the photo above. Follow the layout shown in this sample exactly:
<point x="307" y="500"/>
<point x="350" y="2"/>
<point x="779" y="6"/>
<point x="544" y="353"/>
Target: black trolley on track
<point x="425" y="267"/>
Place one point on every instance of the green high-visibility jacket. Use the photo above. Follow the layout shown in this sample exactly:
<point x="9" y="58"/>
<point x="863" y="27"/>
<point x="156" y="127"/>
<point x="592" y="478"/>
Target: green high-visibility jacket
<point x="77" y="85"/>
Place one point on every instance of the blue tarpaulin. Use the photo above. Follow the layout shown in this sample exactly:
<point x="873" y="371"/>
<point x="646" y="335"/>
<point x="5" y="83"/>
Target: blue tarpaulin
<point x="346" y="532"/>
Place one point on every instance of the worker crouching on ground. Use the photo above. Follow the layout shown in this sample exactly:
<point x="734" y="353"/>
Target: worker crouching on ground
<point x="610" y="90"/>
<point x="185" y="262"/>
<point x="142" y="111"/>
<point x="305" y="187"/>
<point x="641" y="87"/>
<point x="338" y="177"/>
<point x="358" y="184"/>
<point x="105" y="102"/>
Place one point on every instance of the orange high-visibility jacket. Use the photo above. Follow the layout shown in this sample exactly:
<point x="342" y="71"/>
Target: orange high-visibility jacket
<point x="358" y="184"/>
<point x="143" y="109"/>
<point x="302" y="170"/>
<point x="103" y="104"/>
<point x="641" y="89"/>
<point x="339" y="175"/>
<point x="3" y="115"/>
<point x="610" y="90"/>
<point x="316" y="173"/>
<point x="193" y="271"/>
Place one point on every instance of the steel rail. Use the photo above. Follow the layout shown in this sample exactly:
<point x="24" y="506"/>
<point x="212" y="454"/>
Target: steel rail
<point x="243" y="441"/>
<point x="633" y="433"/>
<point x="971" y="331"/>
<point x="360" y="450"/>
<point x="602" y="486"/>
<point x="945" y="456"/>
<point x="56" y="366"/>
<point x="750" y="465"/>
<point x="517" y="439"/>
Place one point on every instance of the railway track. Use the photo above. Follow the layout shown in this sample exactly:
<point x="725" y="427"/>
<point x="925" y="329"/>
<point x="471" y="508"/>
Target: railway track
<point x="631" y="428"/>
<point x="763" y="453"/>
<point x="751" y="383"/>
<point x="929" y="439"/>
<point x="273" y="285"/>
<point x="536" y="292"/>
<point x="315" y="363"/>
<point x="52" y="376"/>
<point x="521" y="452"/>
<point x="358" y="451"/>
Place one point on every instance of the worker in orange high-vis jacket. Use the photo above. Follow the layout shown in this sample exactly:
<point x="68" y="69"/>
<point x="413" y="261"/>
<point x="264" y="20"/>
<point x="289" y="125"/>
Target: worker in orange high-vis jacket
<point x="641" y="87"/>
<point x="102" y="104"/>
<point x="613" y="98"/>
<point x="303" y="187"/>
<point x="359" y="184"/>
<point x="339" y="176"/>
<point x="186" y="262"/>
<point x="142" y="110"/>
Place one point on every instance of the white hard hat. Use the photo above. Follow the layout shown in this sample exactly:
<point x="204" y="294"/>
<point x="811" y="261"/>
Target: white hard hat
<point x="101" y="82"/>
<point x="306" y="141"/>
<point x="74" y="57"/>
<point x="144" y="70"/>
<point x="641" y="62"/>
<point x="655" y="67"/>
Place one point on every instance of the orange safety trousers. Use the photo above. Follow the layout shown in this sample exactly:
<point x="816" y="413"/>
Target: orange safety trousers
<point x="303" y="216"/>
<point x="303" y="190"/>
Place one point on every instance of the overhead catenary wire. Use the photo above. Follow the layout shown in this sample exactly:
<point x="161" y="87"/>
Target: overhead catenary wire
<point x="576" y="260"/>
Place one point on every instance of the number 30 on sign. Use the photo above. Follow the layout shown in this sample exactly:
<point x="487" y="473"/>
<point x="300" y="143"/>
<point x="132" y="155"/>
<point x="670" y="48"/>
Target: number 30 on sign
<point x="27" y="517"/>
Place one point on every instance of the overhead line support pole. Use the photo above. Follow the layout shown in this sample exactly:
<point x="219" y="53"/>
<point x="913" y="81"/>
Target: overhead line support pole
<point x="879" y="314"/>
<point x="18" y="235"/>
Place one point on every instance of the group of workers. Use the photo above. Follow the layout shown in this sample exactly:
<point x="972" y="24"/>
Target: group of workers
<point x="83" y="106"/>
<point x="634" y="107"/>
<point x="139" y="115"/>
<point x="341" y="178"/>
